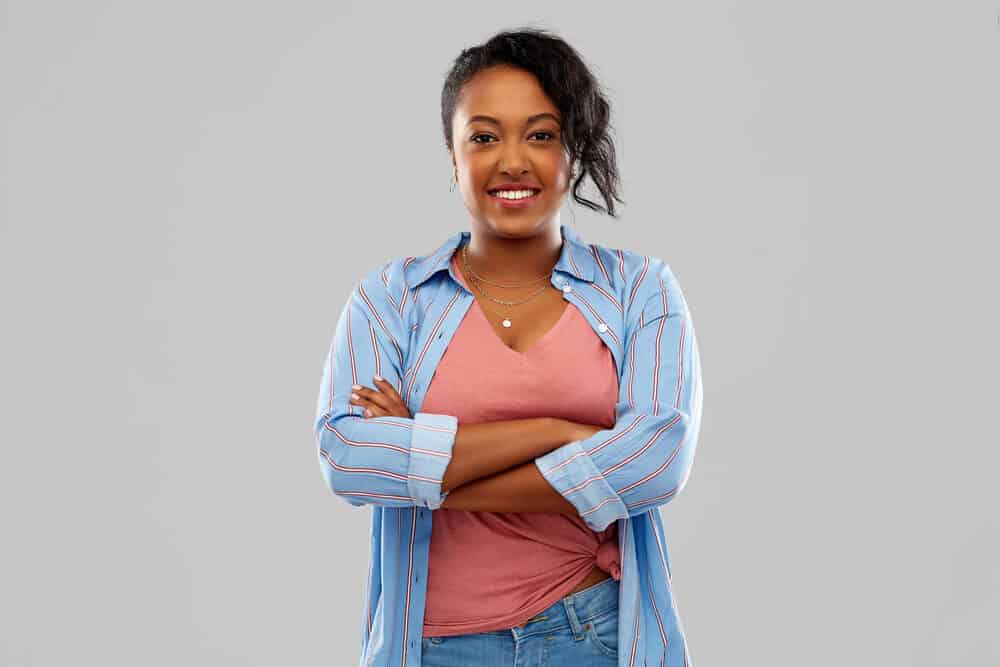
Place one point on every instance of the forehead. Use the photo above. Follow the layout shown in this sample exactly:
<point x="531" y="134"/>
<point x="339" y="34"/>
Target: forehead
<point x="507" y="93"/>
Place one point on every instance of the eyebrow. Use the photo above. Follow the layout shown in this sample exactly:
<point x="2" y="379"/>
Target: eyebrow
<point x="531" y="119"/>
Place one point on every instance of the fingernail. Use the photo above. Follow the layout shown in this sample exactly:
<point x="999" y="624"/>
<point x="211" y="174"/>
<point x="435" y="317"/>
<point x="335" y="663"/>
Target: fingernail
<point x="368" y="413"/>
<point x="355" y="386"/>
<point x="379" y="378"/>
<point x="354" y="396"/>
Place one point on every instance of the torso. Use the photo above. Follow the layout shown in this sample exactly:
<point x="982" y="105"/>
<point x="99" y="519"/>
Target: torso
<point x="530" y="322"/>
<point x="596" y="575"/>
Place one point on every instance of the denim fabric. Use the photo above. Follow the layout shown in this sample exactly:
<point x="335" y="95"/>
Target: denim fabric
<point x="581" y="630"/>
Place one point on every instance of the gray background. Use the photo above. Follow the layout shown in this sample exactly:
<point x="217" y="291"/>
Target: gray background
<point x="190" y="190"/>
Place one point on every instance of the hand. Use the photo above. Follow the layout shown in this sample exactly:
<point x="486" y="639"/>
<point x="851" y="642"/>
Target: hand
<point x="381" y="401"/>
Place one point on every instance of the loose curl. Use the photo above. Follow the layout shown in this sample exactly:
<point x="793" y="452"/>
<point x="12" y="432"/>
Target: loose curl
<point x="569" y="83"/>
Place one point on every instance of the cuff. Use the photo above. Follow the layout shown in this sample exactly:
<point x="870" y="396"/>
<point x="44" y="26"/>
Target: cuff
<point x="571" y="472"/>
<point x="431" y="443"/>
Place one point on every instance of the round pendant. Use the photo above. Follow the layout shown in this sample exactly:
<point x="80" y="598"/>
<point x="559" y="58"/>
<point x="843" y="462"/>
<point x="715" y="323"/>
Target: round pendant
<point x="505" y="322"/>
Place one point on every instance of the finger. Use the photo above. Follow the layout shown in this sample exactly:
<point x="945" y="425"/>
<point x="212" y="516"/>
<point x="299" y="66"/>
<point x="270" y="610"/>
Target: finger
<point x="357" y="399"/>
<point x="386" y="387"/>
<point x="369" y="409"/>
<point x="399" y="407"/>
<point x="375" y="397"/>
<point x="359" y="393"/>
<point x="375" y="411"/>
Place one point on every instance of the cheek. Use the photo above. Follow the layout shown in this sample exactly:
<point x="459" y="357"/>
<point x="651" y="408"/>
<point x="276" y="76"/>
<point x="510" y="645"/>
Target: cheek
<point x="474" y="179"/>
<point x="557" y="171"/>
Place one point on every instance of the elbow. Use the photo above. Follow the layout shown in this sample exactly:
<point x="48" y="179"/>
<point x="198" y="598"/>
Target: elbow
<point x="673" y="469"/>
<point x="681" y="456"/>
<point x="329" y="449"/>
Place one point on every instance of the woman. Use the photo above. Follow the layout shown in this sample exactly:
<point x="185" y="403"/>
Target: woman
<point x="517" y="404"/>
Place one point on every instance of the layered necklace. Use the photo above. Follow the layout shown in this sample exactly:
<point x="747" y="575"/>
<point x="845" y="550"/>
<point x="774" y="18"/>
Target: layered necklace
<point x="478" y="281"/>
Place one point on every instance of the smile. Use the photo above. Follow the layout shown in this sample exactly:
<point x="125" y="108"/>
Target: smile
<point x="514" y="197"/>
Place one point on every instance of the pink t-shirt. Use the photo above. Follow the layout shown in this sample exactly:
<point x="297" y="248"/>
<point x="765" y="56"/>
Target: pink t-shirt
<point x="496" y="570"/>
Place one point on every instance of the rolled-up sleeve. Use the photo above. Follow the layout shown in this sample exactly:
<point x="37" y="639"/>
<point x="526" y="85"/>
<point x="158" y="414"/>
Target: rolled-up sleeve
<point x="645" y="460"/>
<point x="389" y="461"/>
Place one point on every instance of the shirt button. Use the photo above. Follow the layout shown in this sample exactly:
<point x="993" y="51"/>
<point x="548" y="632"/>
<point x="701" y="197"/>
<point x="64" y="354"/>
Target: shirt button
<point x="567" y="288"/>
<point x="602" y="327"/>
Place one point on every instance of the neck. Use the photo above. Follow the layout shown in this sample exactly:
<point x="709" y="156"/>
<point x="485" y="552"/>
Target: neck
<point x="513" y="258"/>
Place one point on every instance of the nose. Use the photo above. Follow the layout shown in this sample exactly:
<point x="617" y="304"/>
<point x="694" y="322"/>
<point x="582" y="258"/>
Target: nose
<point x="512" y="160"/>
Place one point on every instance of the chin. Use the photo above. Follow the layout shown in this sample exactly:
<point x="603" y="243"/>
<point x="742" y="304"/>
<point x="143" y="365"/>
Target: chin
<point x="513" y="226"/>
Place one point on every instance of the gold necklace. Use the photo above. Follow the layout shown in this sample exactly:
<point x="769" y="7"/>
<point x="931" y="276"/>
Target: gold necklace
<point x="465" y="257"/>
<point x="477" y="280"/>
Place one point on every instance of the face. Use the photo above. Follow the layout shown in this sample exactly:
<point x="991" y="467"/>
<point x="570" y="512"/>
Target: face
<point x="506" y="130"/>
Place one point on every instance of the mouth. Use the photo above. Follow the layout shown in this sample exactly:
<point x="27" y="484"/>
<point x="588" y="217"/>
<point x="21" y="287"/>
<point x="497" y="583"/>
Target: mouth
<point x="514" y="198"/>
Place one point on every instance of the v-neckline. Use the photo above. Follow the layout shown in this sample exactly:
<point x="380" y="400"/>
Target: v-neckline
<point x="540" y="342"/>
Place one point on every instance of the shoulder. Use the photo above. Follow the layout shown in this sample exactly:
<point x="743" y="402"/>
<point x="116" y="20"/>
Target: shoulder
<point x="646" y="283"/>
<point x="381" y="289"/>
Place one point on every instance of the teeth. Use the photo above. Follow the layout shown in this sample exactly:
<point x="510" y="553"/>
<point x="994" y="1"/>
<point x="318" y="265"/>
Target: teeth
<point x="513" y="194"/>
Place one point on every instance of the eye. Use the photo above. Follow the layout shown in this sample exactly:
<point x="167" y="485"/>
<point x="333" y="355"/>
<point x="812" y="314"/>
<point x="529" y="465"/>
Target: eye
<point x="481" y="134"/>
<point x="549" y="134"/>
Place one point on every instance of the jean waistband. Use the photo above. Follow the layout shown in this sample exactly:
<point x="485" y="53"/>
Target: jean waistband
<point x="574" y="610"/>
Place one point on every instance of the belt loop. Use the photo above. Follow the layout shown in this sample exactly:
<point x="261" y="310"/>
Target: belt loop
<point x="574" y="622"/>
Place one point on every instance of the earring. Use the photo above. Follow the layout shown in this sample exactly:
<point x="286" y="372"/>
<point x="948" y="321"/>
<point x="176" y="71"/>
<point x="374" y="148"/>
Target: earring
<point x="454" y="179"/>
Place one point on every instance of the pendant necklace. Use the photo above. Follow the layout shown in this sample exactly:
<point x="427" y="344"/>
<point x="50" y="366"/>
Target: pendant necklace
<point x="478" y="280"/>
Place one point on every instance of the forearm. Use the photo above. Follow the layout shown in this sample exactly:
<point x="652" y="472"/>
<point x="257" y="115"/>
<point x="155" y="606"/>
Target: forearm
<point x="486" y="448"/>
<point x="520" y="489"/>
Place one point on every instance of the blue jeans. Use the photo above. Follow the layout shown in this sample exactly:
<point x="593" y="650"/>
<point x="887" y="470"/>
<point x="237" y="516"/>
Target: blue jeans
<point x="581" y="630"/>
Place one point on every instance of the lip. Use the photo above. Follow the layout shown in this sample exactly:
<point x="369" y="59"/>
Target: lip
<point x="516" y="185"/>
<point x="516" y="203"/>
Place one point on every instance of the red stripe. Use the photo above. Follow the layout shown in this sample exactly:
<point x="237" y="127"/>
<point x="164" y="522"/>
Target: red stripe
<point x="635" y="631"/>
<point x="386" y="496"/>
<point x="600" y="264"/>
<point x="638" y="282"/>
<point x="608" y="295"/>
<point x="430" y="339"/>
<point x="636" y="454"/>
<point x="597" y="316"/>
<point x="375" y="353"/>
<point x="656" y="367"/>
<point x="380" y="321"/>
<point x="680" y="363"/>
<point x="573" y="262"/>
<point x="359" y="443"/>
<point x="660" y="431"/>
<point x="652" y="598"/>
<point x="377" y="471"/>
<point x="631" y="368"/>
<point x="409" y="582"/>
<point x="350" y="355"/>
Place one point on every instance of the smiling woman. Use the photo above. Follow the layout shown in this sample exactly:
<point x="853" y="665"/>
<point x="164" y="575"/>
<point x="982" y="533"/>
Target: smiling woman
<point x="538" y="98"/>
<point x="516" y="405"/>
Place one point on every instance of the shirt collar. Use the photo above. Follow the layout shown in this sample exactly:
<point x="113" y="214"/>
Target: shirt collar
<point x="575" y="258"/>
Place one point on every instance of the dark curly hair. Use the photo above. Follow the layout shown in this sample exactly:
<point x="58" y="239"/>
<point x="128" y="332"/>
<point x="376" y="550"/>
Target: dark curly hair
<point x="569" y="83"/>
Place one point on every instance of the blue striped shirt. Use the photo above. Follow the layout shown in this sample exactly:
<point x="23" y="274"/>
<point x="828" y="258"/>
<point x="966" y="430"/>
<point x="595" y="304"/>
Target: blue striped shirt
<point x="398" y="321"/>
